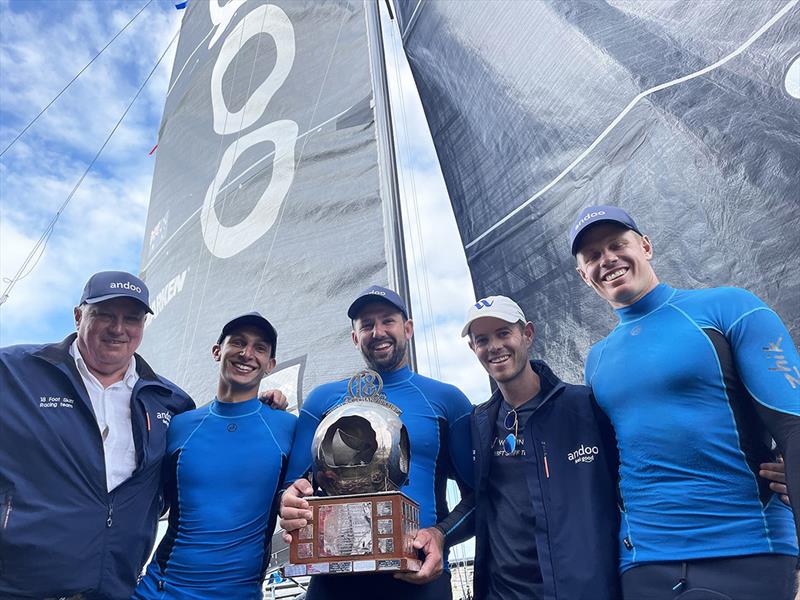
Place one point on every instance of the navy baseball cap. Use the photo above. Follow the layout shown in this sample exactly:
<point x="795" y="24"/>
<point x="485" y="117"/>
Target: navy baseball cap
<point x="598" y="214"/>
<point x="107" y="285"/>
<point x="373" y="293"/>
<point x="253" y="319"/>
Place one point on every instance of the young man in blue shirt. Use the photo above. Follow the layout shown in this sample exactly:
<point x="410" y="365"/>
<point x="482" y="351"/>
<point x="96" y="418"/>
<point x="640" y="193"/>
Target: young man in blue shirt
<point x="695" y="383"/>
<point x="225" y="463"/>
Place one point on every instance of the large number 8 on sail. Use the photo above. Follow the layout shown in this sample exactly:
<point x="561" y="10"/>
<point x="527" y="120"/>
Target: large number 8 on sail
<point x="226" y="241"/>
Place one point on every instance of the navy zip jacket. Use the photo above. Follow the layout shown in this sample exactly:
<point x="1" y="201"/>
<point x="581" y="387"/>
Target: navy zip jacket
<point x="571" y="471"/>
<point x="61" y="531"/>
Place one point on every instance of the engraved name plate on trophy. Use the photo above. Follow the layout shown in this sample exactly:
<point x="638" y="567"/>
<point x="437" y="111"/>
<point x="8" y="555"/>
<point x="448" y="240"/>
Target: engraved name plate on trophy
<point x="362" y="455"/>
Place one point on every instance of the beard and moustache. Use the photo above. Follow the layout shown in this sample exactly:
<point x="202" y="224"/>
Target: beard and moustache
<point x="392" y="360"/>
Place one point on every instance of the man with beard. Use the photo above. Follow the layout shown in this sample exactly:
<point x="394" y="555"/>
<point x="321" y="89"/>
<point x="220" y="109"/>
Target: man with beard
<point x="437" y="418"/>
<point x="696" y="384"/>
<point x="224" y="466"/>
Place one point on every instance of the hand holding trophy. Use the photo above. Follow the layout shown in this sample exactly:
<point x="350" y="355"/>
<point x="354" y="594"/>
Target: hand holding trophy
<point x="362" y="457"/>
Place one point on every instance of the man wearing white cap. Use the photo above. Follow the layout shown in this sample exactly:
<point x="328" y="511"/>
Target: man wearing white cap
<point x="545" y="472"/>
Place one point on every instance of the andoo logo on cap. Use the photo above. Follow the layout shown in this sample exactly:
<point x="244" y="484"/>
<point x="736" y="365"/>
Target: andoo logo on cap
<point x="483" y="304"/>
<point x="115" y="285"/>
<point x="377" y="292"/>
<point x="599" y="213"/>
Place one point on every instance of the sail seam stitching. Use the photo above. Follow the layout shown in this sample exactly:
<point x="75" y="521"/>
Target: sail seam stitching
<point x="761" y="31"/>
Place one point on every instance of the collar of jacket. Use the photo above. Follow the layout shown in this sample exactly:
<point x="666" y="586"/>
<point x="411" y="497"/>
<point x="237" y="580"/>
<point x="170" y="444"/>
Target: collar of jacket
<point x="486" y="415"/>
<point x="491" y="406"/>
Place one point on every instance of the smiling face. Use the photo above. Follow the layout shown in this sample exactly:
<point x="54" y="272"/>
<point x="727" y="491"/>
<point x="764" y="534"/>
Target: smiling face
<point x="381" y="333"/>
<point x="501" y="347"/>
<point x="109" y="333"/>
<point x="245" y="359"/>
<point x="615" y="263"/>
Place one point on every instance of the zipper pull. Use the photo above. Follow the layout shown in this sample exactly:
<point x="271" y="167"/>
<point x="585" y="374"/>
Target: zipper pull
<point x="109" y="520"/>
<point x="546" y="466"/>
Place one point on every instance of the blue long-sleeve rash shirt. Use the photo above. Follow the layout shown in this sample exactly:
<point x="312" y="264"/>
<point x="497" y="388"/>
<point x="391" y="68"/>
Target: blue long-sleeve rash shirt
<point x="689" y="378"/>
<point x="436" y="415"/>
<point x="224" y="465"/>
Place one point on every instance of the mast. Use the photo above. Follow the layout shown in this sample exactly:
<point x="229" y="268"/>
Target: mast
<point x="397" y="265"/>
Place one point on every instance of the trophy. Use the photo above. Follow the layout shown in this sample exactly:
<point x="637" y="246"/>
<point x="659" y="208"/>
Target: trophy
<point x="361" y="455"/>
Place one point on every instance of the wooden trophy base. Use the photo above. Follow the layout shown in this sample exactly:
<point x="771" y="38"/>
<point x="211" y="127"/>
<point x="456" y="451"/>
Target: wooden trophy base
<point x="361" y="533"/>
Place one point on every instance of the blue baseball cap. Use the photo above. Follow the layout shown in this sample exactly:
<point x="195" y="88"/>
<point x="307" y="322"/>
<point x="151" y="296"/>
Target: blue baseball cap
<point x="252" y="319"/>
<point x="380" y="294"/>
<point x="598" y="214"/>
<point x="107" y="285"/>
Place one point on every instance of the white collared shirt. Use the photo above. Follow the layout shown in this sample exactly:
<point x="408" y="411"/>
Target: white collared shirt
<point x="112" y="409"/>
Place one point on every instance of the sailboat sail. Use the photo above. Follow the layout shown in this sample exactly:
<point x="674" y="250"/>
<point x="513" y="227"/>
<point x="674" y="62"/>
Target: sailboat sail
<point x="267" y="189"/>
<point x="687" y="114"/>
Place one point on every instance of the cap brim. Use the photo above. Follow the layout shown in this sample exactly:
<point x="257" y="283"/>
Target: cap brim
<point x="359" y="303"/>
<point x="112" y="296"/>
<point x="255" y="321"/>
<point x="578" y="237"/>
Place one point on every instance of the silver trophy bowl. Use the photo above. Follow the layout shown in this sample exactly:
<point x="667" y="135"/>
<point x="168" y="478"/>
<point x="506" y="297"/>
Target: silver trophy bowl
<point x="361" y="447"/>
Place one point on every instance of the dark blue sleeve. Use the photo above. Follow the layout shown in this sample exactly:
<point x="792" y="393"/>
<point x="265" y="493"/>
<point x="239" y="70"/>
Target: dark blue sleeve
<point x="769" y="366"/>
<point x="459" y="524"/>
<point x="460" y="440"/>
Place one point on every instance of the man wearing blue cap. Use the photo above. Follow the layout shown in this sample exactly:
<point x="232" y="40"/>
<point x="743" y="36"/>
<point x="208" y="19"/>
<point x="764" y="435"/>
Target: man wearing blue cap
<point x="83" y="428"/>
<point x="437" y="418"/>
<point x="83" y="425"/>
<point x="695" y="383"/>
<point x="225" y="463"/>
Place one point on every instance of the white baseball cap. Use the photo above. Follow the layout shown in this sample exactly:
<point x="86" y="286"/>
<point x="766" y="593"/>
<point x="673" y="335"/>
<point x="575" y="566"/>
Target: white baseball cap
<point x="499" y="307"/>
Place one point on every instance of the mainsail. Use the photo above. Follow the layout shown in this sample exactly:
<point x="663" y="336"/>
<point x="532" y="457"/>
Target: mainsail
<point x="685" y="113"/>
<point x="267" y="193"/>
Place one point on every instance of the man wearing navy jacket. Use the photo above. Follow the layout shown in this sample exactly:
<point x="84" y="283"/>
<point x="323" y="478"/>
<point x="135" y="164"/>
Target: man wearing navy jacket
<point x="545" y="473"/>
<point x="83" y="425"/>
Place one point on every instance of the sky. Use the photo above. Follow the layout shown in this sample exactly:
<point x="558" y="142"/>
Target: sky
<point x="43" y="45"/>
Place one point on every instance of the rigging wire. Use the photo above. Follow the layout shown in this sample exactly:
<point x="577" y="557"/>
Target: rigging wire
<point x="71" y="81"/>
<point x="45" y="237"/>
<point x="434" y="365"/>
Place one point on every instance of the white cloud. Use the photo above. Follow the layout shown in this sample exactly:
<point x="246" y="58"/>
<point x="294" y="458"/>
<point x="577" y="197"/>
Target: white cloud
<point x="43" y="47"/>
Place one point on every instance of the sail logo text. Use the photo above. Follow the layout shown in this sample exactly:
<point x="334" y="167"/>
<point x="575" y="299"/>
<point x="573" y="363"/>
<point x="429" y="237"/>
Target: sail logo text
<point x="166" y="294"/>
<point x="599" y="213"/>
<point x="583" y="454"/>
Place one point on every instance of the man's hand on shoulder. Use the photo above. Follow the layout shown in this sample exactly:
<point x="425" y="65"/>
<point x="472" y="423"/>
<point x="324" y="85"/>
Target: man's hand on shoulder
<point x="431" y="541"/>
<point x="295" y="512"/>
<point x="275" y="399"/>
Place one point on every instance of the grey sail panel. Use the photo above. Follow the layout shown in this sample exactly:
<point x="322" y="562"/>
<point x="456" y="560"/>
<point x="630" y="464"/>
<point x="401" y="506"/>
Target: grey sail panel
<point x="538" y="109"/>
<point x="266" y="194"/>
